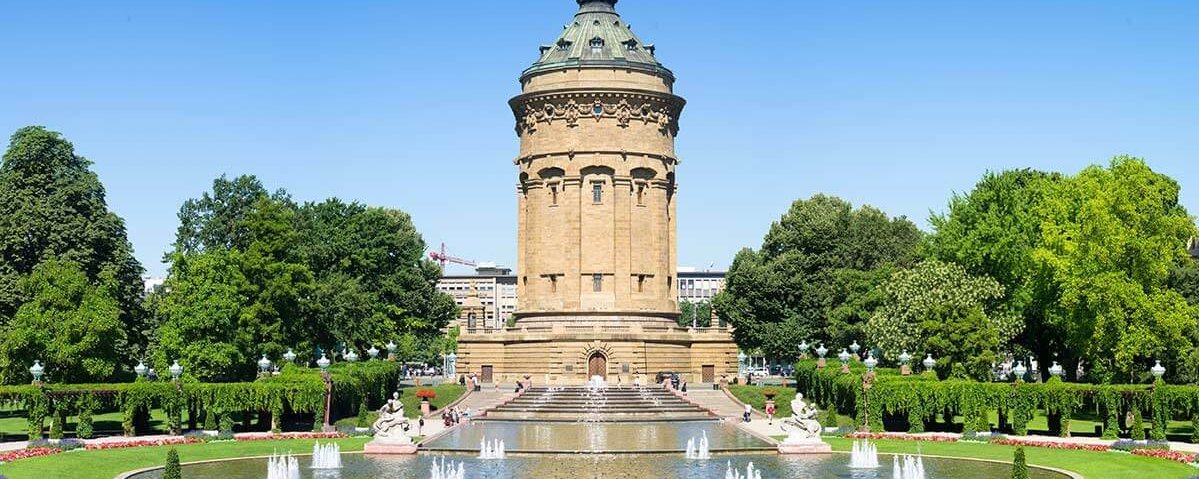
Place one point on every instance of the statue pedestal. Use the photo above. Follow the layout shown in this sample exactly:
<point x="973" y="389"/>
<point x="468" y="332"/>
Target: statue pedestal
<point x="806" y="447"/>
<point x="820" y="363"/>
<point x="380" y="446"/>
<point x="905" y="370"/>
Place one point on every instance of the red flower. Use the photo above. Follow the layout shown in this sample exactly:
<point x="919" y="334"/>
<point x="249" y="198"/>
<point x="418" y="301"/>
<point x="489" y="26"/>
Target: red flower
<point x="28" y="453"/>
<point x="1165" y="454"/>
<point x="426" y="394"/>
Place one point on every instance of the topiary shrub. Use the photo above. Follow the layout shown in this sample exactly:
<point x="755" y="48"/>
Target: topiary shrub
<point x="362" y="410"/>
<point x="210" y="421"/>
<point x="226" y="422"/>
<point x="85" y="429"/>
<point x="171" y="470"/>
<point x="1138" y="425"/>
<point x="1019" y="467"/>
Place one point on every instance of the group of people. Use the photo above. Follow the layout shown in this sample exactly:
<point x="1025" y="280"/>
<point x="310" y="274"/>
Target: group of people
<point x="454" y="416"/>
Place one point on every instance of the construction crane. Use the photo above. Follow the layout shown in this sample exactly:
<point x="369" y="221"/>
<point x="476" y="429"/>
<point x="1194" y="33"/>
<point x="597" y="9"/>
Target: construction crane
<point x="443" y="258"/>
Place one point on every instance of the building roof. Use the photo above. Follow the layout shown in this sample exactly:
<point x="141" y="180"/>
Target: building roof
<point x="597" y="37"/>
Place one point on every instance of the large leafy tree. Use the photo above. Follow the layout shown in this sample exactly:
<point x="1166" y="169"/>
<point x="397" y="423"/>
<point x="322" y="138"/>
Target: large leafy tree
<point x="68" y="322"/>
<point x="285" y="276"/>
<point x="1110" y="238"/>
<point x="782" y="293"/>
<point x="941" y="309"/>
<point x="52" y="206"/>
<point x="993" y="231"/>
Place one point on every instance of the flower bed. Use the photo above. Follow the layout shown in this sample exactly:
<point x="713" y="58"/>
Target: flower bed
<point x="255" y="436"/>
<point x="166" y="441"/>
<point x="28" y="453"/>
<point x="1053" y="445"/>
<point x="1128" y="445"/>
<point x="1175" y="456"/>
<point x="899" y="436"/>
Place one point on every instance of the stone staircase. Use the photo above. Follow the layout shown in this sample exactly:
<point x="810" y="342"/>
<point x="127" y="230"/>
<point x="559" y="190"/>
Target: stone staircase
<point x="610" y="404"/>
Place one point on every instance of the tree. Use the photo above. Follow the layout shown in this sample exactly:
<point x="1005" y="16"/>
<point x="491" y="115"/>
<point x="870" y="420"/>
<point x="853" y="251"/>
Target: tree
<point x="267" y="275"/>
<point x="52" y="207"/>
<point x="1019" y="466"/>
<point x="1110" y="238"/>
<point x="940" y="309"/>
<point x="781" y="294"/>
<point x="700" y="312"/>
<point x="172" y="470"/>
<point x="993" y="231"/>
<point x="71" y="325"/>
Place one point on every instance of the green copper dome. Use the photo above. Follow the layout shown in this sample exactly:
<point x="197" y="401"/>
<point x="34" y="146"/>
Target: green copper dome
<point x="597" y="37"/>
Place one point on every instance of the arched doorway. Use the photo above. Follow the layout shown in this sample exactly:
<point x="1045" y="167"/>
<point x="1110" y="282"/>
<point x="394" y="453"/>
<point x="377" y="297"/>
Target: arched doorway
<point x="597" y="365"/>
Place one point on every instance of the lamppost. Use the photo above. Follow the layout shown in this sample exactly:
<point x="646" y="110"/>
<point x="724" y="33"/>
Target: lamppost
<point x="803" y="349"/>
<point x="37" y="371"/>
<point x="452" y="370"/>
<point x="391" y="350"/>
<point x="820" y="352"/>
<point x="844" y="357"/>
<point x="904" y="360"/>
<point x="855" y="348"/>
<point x="870" y="362"/>
<point x="323" y="363"/>
<point x="741" y="363"/>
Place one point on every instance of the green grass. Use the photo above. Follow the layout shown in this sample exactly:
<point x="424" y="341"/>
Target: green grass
<point x="1092" y="465"/>
<point x="107" y="464"/>
<point x="446" y="394"/>
<point x="753" y="396"/>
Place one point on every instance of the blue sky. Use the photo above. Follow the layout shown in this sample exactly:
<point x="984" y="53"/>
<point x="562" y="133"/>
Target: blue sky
<point x="404" y="104"/>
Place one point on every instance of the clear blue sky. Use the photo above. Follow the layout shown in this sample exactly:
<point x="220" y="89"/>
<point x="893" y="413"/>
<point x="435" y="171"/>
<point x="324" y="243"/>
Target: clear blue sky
<point x="403" y="104"/>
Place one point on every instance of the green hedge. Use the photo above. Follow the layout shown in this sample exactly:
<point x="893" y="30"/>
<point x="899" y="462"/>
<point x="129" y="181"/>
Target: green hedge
<point x="919" y="398"/>
<point x="297" y="390"/>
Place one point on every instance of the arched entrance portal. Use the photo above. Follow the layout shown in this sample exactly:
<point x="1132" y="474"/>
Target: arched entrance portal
<point x="597" y="365"/>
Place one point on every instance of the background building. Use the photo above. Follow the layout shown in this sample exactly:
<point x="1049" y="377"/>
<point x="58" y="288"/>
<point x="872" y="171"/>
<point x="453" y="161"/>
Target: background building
<point x="495" y="291"/>
<point x="1193" y="247"/>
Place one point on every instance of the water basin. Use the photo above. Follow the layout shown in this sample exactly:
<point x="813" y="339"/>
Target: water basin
<point x="557" y="437"/>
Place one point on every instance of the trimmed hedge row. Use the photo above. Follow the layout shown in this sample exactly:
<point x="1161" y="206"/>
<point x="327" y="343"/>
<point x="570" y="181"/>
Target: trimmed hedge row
<point x="869" y="397"/>
<point x="297" y="390"/>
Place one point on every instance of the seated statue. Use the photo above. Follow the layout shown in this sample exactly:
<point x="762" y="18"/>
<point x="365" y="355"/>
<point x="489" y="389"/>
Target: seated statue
<point x="802" y="426"/>
<point x="392" y="426"/>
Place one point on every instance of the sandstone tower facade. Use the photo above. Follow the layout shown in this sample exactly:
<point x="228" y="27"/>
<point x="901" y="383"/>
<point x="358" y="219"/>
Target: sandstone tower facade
<point x="597" y="119"/>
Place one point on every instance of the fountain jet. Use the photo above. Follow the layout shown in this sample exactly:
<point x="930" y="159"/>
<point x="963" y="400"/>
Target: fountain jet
<point x="326" y="457"/>
<point x="446" y="471"/>
<point x="491" y="450"/>
<point x="282" y="467"/>
<point x="864" y="455"/>
<point x="698" y="449"/>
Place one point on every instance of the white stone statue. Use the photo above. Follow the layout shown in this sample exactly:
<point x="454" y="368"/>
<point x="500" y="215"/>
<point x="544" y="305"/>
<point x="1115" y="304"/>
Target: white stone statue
<point x="802" y="426"/>
<point x="392" y="426"/>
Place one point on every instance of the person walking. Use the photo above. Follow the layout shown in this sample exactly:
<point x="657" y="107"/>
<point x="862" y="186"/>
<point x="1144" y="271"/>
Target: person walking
<point x="770" y="413"/>
<point x="420" y="426"/>
<point x="749" y="411"/>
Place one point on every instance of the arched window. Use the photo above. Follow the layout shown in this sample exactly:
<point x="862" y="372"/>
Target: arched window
<point x="597" y="45"/>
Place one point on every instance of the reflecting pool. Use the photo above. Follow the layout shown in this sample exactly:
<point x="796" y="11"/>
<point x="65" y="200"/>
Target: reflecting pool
<point x="607" y="466"/>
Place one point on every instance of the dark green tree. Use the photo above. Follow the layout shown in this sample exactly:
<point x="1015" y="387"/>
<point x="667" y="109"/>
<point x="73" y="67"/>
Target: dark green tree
<point x="71" y="325"/>
<point x="993" y="231"/>
<point x="1019" y="466"/>
<point x="700" y="312"/>
<point x="172" y="469"/>
<point x="782" y="293"/>
<point x="52" y="206"/>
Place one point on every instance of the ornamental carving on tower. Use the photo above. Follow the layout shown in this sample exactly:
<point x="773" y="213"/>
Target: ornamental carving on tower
<point x="650" y="110"/>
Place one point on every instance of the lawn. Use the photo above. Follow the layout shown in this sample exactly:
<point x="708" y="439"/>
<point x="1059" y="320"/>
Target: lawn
<point x="1092" y="465"/>
<point x="108" y="463"/>
<point x="13" y="423"/>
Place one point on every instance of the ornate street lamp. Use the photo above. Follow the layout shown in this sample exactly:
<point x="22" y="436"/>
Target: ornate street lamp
<point x="323" y="363"/>
<point x="351" y="356"/>
<point x="176" y="370"/>
<point x="289" y="356"/>
<point x="373" y="352"/>
<point x="1019" y="370"/>
<point x="264" y="364"/>
<point x="140" y="369"/>
<point x="870" y="361"/>
<point x="1056" y="370"/>
<point x="1157" y="370"/>
<point x="740" y="363"/>
<point x="929" y="363"/>
<point x="37" y="371"/>
<point x="452" y="370"/>
<point x="803" y="348"/>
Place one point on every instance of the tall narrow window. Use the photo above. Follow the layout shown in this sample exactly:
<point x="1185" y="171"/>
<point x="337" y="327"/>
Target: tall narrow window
<point x="597" y="282"/>
<point x="554" y="194"/>
<point x="553" y="283"/>
<point x="641" y="283"/>
<point x="597" y="192"/>
<point x="641" y="194"/>
<point x="597" y="45"/>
